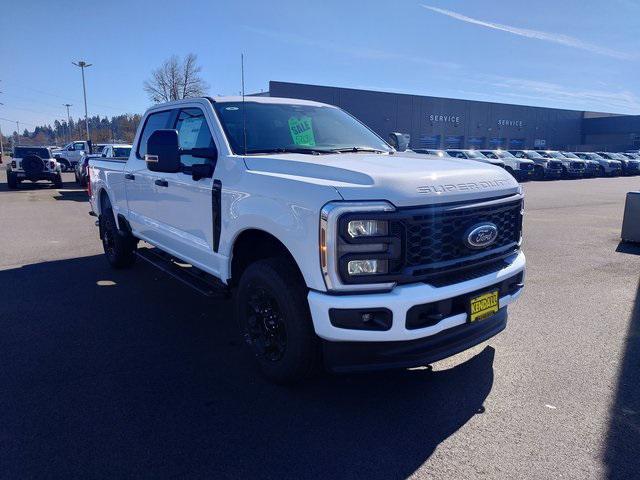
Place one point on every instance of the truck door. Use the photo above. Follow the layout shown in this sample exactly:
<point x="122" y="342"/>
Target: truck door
<point x="185" y="204"/>
<point x="180" y="213"/>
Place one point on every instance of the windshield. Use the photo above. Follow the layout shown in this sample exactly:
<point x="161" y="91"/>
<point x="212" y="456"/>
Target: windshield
<point x="274" y="127"/>
<point x="616" y="156"/>
<point x="121" y="151"/>
<point x="594" y="156"/>
<point x="474" y="154"/>
<point x="570" y="155"/>
<point x="531" y="154"/>
<point x="21" y="152"/>
<point x="556" y="155"/>
<point x="505" y="154"/>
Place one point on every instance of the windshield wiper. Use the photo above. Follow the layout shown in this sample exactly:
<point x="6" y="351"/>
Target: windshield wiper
<point x="308" y="151"/>
<point x="358" y="149"/>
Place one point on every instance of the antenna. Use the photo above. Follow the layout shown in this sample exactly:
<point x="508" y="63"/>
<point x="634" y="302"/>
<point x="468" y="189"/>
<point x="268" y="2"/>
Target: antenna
<point x="244" y="113"/>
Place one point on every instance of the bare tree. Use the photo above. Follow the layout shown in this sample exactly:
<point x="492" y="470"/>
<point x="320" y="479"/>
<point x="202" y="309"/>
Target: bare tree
<point x="176" y="79"/>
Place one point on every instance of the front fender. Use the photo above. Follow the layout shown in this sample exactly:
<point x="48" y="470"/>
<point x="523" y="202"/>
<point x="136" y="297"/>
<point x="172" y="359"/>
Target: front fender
<point x="288" y="210"/>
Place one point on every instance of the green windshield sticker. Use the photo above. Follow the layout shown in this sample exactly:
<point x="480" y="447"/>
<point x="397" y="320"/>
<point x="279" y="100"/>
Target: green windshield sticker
<point x="302" y="131"/>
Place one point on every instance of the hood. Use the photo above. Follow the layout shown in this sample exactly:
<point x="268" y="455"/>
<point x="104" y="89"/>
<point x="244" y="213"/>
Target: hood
<point x="403" y="179"/>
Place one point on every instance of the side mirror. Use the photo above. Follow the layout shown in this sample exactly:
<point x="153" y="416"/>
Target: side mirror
<point x="163" y="152"/>
<point x="399" y="141"/>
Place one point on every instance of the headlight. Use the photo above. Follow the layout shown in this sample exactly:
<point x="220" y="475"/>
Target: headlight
<point x="367" y="228"/>
<point x="355" y="246"/>
<point x="367" y="267"/>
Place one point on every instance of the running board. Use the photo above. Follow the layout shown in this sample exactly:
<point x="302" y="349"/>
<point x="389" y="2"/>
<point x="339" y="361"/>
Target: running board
<point x="202" y="282"/>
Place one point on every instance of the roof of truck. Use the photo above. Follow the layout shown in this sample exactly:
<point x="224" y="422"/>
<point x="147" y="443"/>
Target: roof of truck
<point x="254" y="99"/>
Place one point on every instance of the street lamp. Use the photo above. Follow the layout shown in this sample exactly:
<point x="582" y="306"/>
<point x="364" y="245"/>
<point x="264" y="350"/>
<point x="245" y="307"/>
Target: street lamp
<point x="82" y="64"/>
<point x="68" y="122"/>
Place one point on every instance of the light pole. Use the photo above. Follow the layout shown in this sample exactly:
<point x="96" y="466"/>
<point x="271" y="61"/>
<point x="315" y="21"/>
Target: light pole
<point x="1" y="143"/>
<point x="82" y="64"/>
<point x="68" y="122"/>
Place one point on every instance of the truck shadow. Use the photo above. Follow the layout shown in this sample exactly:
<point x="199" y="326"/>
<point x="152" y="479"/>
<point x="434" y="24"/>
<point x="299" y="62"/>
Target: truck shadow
<point x="622" y="451"/>
<point x="127" y="373"/>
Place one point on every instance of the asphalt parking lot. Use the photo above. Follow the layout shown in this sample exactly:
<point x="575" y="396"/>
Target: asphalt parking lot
<point x="111" y="374"/>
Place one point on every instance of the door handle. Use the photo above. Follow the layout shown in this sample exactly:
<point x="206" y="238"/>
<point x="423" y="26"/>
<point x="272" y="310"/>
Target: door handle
<point x="162" y="183"/>
<point x="129" y="176"/>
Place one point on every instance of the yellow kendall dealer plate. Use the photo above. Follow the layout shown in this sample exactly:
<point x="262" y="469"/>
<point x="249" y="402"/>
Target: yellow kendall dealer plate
<point x="483" y="306"/>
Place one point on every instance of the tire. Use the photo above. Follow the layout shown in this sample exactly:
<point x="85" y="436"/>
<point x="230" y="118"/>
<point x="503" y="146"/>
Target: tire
<point x="275" y="322"/>
<point x="565" y="173"/>
<point x="12" y="182"/>
<point x="64" y="165"/>
<point x="57" y="182"/>
<point x="602" y="171"/>
<point x="119" y="248"/>
<point x="539" y="173"/>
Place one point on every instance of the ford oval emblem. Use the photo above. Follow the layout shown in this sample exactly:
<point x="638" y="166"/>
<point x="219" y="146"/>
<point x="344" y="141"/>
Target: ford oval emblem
<point x="481" y="236"/>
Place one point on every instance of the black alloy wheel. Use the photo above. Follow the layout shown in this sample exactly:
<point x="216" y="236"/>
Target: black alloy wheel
<point x="265" y="326"/>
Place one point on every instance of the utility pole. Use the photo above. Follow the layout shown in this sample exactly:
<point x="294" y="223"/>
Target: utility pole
<point x="68" y="122"/>
<point x="1" y="142"/>
<point x="82" y="64"/>
<point x="17" y="132"/>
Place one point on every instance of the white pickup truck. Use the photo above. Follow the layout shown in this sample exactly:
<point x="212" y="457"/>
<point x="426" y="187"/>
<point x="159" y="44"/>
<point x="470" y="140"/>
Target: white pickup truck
<point x="337" y="249"/>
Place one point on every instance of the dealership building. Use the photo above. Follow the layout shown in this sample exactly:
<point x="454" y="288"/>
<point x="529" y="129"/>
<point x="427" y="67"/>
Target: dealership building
<point x="436" y="122"/>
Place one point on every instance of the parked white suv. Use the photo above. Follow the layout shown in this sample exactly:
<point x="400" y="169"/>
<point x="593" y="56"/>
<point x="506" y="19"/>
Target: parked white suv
<point x="71" y="154"/>
<point x="339" y="249"/>
<point x="33" y="164"/>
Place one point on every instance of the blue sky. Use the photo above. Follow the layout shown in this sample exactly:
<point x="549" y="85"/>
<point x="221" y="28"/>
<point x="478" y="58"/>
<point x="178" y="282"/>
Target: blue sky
<point x="569" y="54"/>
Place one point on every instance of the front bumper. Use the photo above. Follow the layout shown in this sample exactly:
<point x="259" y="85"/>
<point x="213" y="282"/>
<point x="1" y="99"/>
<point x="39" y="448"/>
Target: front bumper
<point x="552" y="173"/>
<point x="341" y="357"/>
<point x="613" y="171"/>
<point x="400" y="300"/>
<point x="521" y="175"/>
<point x="36" y="176"/>
<point x="576" y="172"/>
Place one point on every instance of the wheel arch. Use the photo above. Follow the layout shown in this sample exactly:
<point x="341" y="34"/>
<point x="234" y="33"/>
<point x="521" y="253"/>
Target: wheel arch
<point x="255" y="244"/>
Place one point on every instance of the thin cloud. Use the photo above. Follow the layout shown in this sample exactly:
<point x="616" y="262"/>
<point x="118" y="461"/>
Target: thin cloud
<point x="558" y="38"/>
<point x="352" y="51"/>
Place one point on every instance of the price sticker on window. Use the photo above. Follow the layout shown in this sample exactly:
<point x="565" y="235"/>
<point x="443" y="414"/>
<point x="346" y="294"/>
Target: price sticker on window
<point x="302" y="131"/>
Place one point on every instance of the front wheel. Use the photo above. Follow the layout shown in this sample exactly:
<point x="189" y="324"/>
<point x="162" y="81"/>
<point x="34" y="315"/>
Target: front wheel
<point x="120" y="249"/>
<point x="274" y="318"/>
<point x="57" y="181"/>
<point x="64" y="166"/>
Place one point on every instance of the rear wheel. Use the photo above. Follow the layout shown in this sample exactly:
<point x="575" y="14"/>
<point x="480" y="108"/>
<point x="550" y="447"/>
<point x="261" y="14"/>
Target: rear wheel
<point x="119" y="248"/>
<point x="274" y="318"/>
<point x="11" y="181"/>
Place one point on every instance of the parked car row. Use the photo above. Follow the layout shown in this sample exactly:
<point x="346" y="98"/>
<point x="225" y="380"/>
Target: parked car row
<point x="112" y="151"/>
<point x="549" y="164"/>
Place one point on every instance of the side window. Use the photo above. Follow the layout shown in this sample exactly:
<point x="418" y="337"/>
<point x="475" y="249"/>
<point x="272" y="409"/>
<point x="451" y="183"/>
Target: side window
<point x="155" y="121"/>
<point x="193" y="132"/>
<point x="78" y="146"/>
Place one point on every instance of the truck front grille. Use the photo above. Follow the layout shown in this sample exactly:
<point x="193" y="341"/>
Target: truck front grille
<point x="433" y="238"/>
<point x="554" y="164"/>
